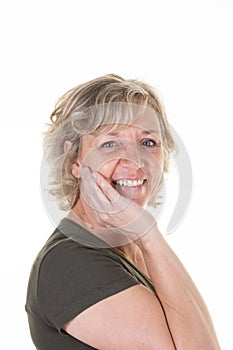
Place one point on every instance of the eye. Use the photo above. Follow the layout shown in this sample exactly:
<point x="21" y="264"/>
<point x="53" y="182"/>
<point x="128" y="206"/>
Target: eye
<point x="150" y="143"/>
<point x="108" y="144"/>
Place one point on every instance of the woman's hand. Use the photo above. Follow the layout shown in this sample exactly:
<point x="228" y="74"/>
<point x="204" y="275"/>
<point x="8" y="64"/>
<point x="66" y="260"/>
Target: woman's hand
<point x="119" y="219"/>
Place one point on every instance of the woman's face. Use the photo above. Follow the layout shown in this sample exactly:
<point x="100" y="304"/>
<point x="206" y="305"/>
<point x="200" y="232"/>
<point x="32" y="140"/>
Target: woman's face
<point x="130" y="158"/>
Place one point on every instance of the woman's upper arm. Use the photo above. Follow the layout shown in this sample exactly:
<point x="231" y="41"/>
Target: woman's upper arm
<point x="131" y="319"/>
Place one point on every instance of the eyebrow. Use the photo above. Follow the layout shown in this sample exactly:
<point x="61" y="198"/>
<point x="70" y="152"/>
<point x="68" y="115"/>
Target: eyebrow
<point x="144" y="132"/>
<point x="150" y="131"/>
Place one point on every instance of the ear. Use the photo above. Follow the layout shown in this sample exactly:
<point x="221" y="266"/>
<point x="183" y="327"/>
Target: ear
<point x="75" y="166"/>
<point x="75" y="169"/>
<point x="67" y="146"/>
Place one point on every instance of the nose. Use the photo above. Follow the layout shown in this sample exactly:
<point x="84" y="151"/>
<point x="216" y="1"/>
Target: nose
<point x="132" y="157"/>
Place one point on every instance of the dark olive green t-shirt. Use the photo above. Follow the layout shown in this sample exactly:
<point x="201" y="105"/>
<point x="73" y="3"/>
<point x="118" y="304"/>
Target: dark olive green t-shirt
<point x="67" y="277"/>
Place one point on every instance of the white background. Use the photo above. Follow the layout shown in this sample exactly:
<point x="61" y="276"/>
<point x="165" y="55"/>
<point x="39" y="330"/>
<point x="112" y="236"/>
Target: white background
<point x="184" y="49"/>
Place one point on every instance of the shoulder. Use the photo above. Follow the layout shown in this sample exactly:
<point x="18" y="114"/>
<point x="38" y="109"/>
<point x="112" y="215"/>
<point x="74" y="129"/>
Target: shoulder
<point x="70" y="246"/>
<point x="69" y="277"/>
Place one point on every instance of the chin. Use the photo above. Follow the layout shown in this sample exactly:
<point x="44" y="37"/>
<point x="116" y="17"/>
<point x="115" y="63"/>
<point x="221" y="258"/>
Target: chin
<point x="137" y="194"/>
<point x="141" y="202"/>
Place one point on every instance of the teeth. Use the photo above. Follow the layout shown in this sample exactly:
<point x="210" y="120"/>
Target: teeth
<point x="129" y="183"/>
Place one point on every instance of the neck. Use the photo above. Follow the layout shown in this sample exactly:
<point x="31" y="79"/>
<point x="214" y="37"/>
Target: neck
<point x="130" y="251"/>
<point x="84" y="217"/>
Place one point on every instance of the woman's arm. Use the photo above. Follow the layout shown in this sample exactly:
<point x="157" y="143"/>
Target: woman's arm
<point x="129" y="320"/>
<point x="186" y="312"/>
<point x="183" y="308"/>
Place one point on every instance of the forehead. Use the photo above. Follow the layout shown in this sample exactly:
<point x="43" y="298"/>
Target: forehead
<point x="146" y="122"/>
<point x="105" y="117"/>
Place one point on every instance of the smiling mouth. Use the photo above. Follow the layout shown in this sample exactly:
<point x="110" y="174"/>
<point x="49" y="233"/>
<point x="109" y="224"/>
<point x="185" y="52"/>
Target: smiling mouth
<point x="128" y="183"/>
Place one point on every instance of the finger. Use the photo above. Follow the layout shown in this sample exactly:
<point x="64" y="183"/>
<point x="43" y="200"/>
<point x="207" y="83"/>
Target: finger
<point x="107" y="200"/>
<point x="119" y="202"/>
<point x="92" y="193"/>
<point x="100" y="195"/>
<point x="106" y="188"/>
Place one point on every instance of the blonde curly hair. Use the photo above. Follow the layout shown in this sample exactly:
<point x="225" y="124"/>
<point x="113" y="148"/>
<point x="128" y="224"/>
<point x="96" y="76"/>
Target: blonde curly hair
<point x="103" y="91"/>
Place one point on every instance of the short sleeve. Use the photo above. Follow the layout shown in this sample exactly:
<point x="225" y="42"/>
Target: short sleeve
<point x="73" y="277"/>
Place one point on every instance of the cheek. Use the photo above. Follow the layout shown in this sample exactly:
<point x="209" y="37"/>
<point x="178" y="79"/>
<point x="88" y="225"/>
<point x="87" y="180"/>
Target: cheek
<point x="160" y="160"/>
<point x="156" y="160"/>
<point x="97" y="160"/>
<point x="155" y="171"/>
<point x="107" y="169"/>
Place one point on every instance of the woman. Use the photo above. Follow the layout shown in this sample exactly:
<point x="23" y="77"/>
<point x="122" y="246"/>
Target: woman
<point x="106" y="278"/>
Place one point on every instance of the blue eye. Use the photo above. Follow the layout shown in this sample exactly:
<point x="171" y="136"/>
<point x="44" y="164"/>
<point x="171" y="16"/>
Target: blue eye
<point x="108" y="144"/>
<point x="150" y="143"/>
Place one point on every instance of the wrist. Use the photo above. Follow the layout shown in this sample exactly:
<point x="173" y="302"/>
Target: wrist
<point x="149" y="240"/>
